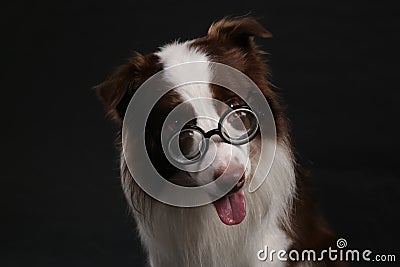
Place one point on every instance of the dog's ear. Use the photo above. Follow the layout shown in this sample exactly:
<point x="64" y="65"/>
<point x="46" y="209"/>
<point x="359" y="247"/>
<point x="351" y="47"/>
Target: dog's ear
<point x="241" y="30"/>
<point x="117" y="91"/>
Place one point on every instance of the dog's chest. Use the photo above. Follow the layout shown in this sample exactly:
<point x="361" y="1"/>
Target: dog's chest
<point x="187" y="239"/>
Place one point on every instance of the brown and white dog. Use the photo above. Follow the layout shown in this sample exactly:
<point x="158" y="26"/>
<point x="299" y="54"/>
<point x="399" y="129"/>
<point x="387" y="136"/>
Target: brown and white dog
<point x="280" y="214"/>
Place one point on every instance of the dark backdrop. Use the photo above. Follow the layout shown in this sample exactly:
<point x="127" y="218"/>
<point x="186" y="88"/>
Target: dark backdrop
<point x="335" y="63"/>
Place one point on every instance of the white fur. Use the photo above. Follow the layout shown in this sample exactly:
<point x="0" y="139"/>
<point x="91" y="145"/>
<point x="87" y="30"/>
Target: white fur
<point x="178" y="53"/>
<point x="195" y="236"/>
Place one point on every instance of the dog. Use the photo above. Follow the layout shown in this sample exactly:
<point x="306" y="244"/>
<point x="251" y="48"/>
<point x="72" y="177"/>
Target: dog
<point x="231" y="230"/>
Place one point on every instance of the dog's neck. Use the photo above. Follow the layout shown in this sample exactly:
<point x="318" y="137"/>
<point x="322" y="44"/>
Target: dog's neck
<point x="195" y="236"/>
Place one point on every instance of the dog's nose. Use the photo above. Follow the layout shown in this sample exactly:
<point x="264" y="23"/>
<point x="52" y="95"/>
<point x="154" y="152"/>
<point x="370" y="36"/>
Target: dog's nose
<point x="231" y="172"/>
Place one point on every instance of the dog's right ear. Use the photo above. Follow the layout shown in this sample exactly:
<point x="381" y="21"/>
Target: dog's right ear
<point x="117" y="91"/>
<point x="238" y="30"/>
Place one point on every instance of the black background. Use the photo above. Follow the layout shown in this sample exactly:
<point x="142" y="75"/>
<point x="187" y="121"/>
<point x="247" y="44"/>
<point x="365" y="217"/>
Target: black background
<point x="335" y="63"/>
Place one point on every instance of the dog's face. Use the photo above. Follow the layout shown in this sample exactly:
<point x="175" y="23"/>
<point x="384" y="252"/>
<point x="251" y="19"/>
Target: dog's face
<point x="191" y="124"/>
<point x="201" y="118"/>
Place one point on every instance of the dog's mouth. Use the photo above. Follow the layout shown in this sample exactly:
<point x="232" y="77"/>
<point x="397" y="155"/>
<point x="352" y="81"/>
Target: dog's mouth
<point x="231" y="208"/>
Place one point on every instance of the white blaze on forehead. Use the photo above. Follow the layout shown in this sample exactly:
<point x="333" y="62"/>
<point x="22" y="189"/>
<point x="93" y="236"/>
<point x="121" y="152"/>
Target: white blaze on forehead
<point x="200" y="98"/>
<point x="178" y="53"/>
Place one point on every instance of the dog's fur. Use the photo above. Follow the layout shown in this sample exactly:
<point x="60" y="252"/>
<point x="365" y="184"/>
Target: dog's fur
<point x="280" y="213"/>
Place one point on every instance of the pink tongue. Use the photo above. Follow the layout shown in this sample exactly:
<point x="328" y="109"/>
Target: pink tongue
<point x="231" y="209"/>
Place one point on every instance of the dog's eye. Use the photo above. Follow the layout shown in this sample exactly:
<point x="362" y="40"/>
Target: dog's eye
<point x="239" y="125"/>
<point x="186" y="145"/>
<point x="233" y="102"/>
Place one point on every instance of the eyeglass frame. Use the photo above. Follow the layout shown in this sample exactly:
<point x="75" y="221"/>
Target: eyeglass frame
<point x="218" y="131"/>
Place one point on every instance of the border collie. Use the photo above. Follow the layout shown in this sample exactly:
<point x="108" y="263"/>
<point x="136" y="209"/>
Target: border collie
<point x="231" y="230"/>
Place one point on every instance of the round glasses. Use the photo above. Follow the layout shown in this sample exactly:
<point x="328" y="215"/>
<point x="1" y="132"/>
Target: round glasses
<point x="237" y="126"/>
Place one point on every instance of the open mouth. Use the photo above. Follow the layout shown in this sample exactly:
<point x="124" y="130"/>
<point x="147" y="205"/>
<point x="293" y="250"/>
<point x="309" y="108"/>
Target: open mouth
<point x="237" y="187"/>
<point x="231" y="208"/>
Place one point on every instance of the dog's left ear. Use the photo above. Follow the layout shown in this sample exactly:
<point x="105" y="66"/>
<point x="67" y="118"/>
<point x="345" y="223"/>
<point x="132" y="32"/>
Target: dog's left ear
<point x="112" y="91"/>
<point x="117" y="90"/>
<point x="240" y="31"/>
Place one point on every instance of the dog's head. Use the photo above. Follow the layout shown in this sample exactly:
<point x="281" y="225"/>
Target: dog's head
<point x="211" y="125"/>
